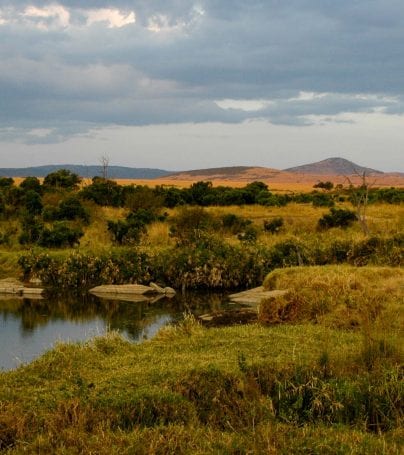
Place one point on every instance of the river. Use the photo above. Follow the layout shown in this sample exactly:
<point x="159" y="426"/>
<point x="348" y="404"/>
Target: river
<point x="29" y="327"/>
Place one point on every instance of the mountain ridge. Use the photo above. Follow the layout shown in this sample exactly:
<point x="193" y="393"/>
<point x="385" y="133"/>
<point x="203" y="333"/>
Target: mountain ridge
<point x="114" y="172"/>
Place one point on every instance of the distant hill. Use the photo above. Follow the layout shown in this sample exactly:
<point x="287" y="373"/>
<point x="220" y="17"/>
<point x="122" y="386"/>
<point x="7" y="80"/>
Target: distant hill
<point x="240" y="173"/>
<point x="224" y="171"/>
<point x="332" y="166"/>
<point x="114" y="172"/>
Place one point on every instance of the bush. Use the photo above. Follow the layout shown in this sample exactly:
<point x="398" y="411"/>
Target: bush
<point x="337" y="218"/>
<point x="33" y="202"/>
<point x="142" y="198"/>
<point x="249" y="235"/>
<point x="61" y="179"/>
<point x="104" y="192"/>
<point x="130" y="230"/>
<point x="190" y="224"/>
<point x="322" y="200"/>
<point x="61" y="235"/>
<point x="273" y="226"/>
<point x="235" y="224"/>
<point x="31" y="183"/>
<point x="31" y="230"/>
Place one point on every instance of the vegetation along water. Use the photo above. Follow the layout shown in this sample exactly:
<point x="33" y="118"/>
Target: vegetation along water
<point x="321" y="372"/>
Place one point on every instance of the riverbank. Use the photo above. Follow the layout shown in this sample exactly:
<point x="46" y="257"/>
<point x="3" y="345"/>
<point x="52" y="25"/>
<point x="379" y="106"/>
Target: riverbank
<point x="279" y="389"/>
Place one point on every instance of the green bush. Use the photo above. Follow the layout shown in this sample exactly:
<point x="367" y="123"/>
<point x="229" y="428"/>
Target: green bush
<point x="60" y="235"/>
<point x="337" y="218"/>
<point x="274" y="226"/>
<point x="234" y="223"/>
<point x="61" y="179"/>
<point x="322" y="200"/>
<point x="190" y="225"/>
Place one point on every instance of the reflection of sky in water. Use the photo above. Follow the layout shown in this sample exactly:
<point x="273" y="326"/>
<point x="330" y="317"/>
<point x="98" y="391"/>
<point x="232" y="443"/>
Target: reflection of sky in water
<point x="26" y="334"/>
<point x="28" y="327"/>
<point x="18" y="346"/>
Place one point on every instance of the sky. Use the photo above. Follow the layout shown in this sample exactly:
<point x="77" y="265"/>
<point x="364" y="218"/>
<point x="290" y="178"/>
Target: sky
<point x="183" y="84"/>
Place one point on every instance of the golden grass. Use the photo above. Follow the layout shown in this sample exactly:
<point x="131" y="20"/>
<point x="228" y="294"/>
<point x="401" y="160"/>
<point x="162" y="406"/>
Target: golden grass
<point x="341" y="295"/>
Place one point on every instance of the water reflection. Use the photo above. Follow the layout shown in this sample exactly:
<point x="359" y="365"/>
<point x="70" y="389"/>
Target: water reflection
<point x="30" y="326"/>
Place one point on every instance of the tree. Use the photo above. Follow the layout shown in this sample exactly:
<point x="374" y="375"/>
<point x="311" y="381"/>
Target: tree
<point x="31" y="183"/>
<point x="328" y="186"/>
<point x="104" y="160"/>
<point x="62" y="178"/>
<point x="359" y="197"/>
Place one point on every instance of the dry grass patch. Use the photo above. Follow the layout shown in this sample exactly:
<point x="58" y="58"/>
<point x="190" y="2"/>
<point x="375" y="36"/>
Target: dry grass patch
<point x="342" y="296"/>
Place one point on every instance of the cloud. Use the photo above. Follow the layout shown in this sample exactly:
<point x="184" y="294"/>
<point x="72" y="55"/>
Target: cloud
<point x="47" y="16"/>
<point x="113" y="17"/>
<point x="140" y="62"/>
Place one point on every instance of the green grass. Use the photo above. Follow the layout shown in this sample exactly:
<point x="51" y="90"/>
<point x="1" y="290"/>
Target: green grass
<point x="196" y="390"/>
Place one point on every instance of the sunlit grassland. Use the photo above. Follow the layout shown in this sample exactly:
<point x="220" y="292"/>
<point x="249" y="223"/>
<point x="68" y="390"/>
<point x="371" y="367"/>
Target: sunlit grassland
<point x="110" y="396"/>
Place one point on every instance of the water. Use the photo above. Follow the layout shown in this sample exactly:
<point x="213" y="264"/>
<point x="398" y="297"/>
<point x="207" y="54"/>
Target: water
<point x="29" y="327"/>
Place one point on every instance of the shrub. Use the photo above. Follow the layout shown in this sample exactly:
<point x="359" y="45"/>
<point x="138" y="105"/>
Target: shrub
<point x="60" y="235"/>
<point x="273" y="226"/>
<point x="31" y="229"/>
<point x="142" y="198"/>
<point x="234" y="224"/>
<point x="337" y="218"/>
<point x="324" y="185"/>
<point x="104" y="192"/>
<point x="130" y="230"/>
<point x="33" y="202"/>
<point x="190" y="224"/>
<point x="249" y="235"/>
<point x="31" y="183"/>
<point x="71" y="209"/>
<point x="322" y="200"/>
<point x="61" y="179"/>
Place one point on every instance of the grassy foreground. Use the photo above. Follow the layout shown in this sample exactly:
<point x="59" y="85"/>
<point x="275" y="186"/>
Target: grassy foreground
<point x="250" y="389"/>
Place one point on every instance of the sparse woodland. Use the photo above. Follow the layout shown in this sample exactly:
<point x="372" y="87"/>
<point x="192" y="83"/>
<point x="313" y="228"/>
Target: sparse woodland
<point x="321" y="372"/>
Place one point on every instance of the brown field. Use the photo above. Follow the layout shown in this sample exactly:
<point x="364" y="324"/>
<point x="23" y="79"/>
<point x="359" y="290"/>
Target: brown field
<point x="278" y="181"/>
<point x="281" y="182"/>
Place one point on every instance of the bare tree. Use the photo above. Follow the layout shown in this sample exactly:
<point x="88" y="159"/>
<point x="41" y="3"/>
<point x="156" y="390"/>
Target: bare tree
<point x="104" y="160"/>
<point x="360" y="199"/>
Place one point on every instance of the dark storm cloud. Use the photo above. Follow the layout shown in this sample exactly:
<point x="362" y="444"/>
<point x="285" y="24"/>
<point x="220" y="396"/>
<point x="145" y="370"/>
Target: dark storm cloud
<point x="65" y="63"/>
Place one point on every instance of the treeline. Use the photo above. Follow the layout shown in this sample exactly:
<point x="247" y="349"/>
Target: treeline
<point x="54" y="213"/>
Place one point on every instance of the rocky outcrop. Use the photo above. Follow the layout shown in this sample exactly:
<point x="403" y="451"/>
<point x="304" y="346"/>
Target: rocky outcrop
<point x="132" y="292"/>
<point x="254" y="296"/>
<point x="11" y="286"/>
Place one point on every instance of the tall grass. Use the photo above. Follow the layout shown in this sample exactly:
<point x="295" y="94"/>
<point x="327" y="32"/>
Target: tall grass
<point x="193" y="390"/>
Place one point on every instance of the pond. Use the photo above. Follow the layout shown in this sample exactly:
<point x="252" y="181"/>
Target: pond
<point x="29" y="327"/>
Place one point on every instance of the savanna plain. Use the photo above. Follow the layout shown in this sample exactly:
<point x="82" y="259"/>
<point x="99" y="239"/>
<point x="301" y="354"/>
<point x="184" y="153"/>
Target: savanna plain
<point x="320" y="372"/>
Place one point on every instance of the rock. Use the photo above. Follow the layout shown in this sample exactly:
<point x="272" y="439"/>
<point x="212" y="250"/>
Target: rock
<point x="135" y="289"/>
<point x="229" y="317"/>
<point x="132" y="292"/>
<point x="32" y="291"/>
<point x="169" y="291"/>
<point x="254" y="296"/>
<point x="157" y="288"/>
<point x="12" y="286"/>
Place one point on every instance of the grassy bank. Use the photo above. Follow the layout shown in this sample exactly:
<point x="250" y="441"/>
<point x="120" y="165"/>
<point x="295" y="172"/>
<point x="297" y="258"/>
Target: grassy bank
<point x="251" y="389"/>
<point x="304" y="380"/>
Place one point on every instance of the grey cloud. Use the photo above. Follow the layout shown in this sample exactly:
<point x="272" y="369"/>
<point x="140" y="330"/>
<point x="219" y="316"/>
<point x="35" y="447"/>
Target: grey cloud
<point x="261" y="49"/>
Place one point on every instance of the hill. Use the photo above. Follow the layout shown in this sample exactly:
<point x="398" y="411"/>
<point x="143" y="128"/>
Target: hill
<point x="333" y="166"/>
<point x="114" y="172"/>
<point x="233" y="173"/>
